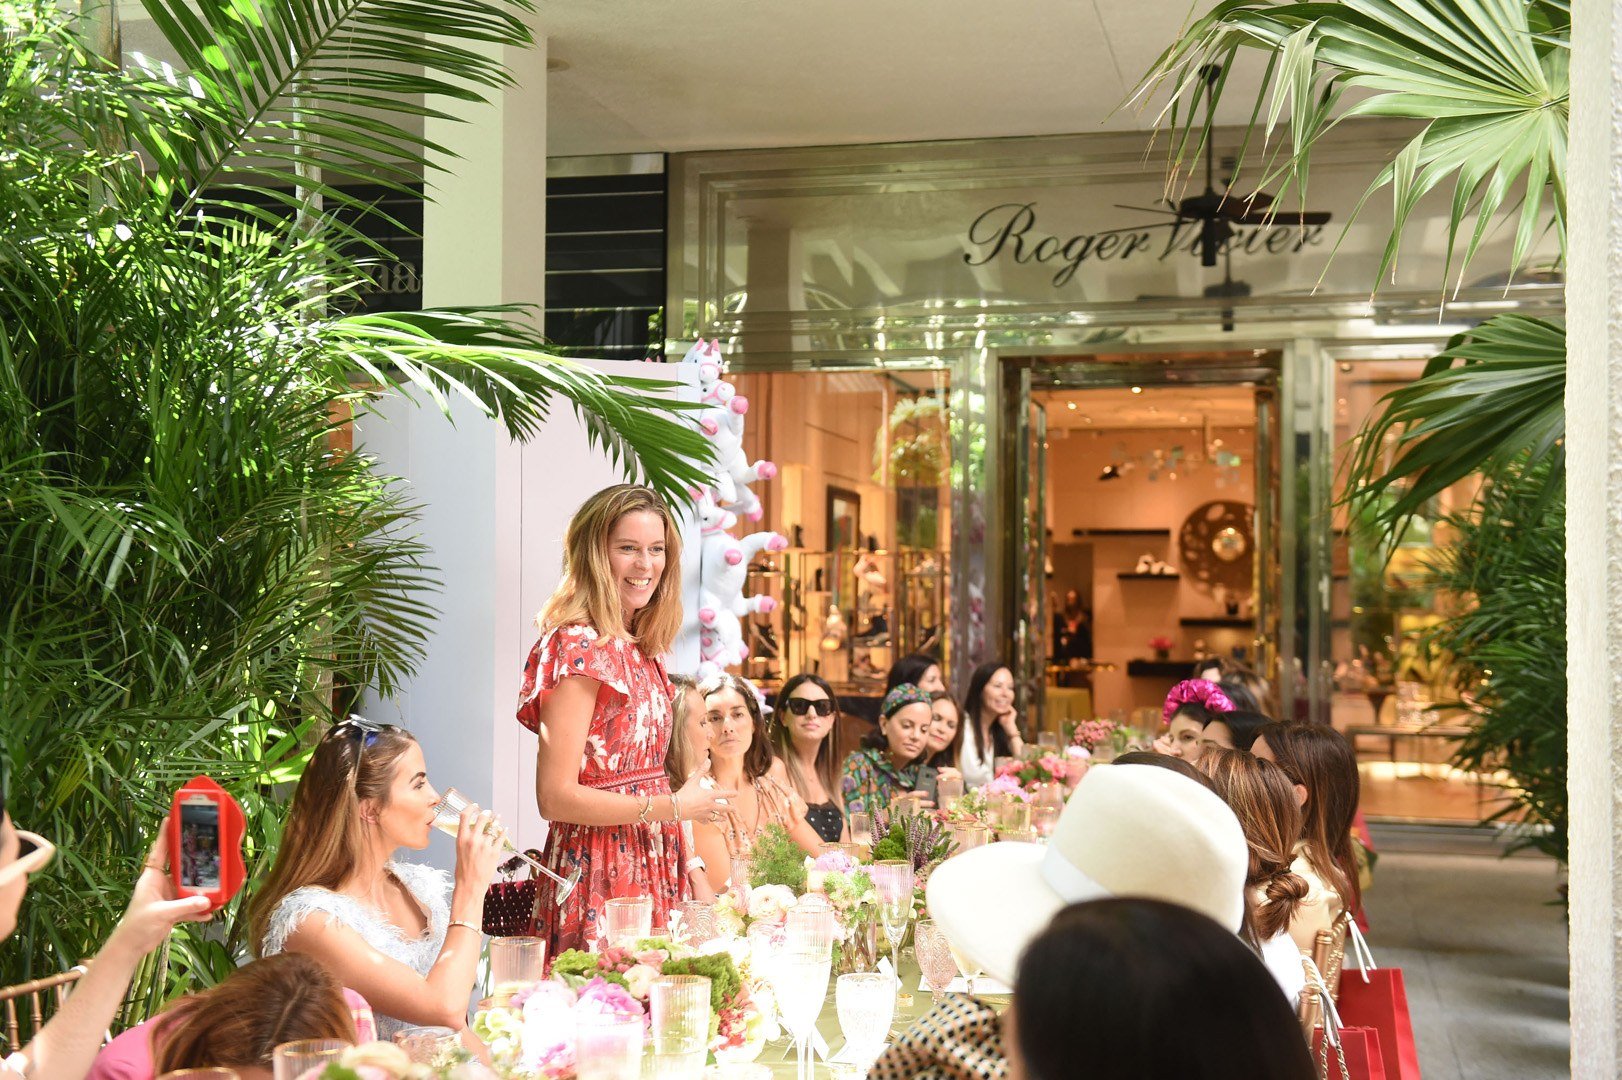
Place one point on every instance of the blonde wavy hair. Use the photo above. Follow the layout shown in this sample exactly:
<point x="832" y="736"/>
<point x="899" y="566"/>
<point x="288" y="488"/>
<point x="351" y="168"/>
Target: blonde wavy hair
<point x="587" y="593"/>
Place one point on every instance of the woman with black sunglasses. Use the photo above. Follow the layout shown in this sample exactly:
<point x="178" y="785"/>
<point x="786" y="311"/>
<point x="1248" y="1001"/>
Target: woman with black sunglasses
<point x="806" y="739"/>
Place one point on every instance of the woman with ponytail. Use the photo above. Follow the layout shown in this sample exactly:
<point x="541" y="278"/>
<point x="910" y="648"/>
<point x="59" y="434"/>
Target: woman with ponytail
<point x="1263" y="799"/>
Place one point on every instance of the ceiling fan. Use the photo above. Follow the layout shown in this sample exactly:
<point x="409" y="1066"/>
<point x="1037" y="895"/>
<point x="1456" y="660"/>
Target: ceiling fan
<point x="1218" y="212"/>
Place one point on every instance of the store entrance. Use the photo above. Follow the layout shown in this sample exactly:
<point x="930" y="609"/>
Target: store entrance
<point x="1152" y="497"/>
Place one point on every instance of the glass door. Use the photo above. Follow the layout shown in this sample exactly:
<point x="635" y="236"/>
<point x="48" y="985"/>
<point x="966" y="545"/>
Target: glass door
<point x="1030" y="622"/>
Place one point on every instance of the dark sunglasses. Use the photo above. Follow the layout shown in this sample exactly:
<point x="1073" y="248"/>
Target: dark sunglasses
<point x="359" y="728"/>
<point x="800" y="706"/>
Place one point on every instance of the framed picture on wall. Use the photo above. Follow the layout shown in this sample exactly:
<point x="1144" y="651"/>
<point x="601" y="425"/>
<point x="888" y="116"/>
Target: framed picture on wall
<point x="844" y="533"/>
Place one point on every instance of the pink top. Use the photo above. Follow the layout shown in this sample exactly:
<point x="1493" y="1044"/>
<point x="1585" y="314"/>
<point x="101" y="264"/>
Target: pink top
<point x="129" y="1056"/>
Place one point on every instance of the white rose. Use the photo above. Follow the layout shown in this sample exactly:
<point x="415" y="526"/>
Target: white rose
<point x="770" y="902"/>
<point x="639" y="980"/>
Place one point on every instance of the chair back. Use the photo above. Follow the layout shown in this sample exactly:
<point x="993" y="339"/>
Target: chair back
<point x="52" y="987"/>
<point x="1328" y="957"/>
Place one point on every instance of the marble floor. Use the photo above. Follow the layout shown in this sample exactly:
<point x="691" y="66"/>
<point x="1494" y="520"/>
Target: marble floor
<point x="1483" y="949"/>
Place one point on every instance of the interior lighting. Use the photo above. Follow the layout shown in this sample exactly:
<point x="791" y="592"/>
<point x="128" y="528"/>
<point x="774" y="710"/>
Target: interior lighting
<point x="1071" y="405"/>
<point x="1137" y="389"/>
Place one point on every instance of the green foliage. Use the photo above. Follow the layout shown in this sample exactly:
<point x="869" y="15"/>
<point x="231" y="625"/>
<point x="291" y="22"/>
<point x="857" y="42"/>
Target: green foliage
<point x="1509" y="560"/>
<point x="893" y="845"/>
<point x="578" y="966"/>
<point x="776" y="860"/>
<point x="717" y="967"/>
<point x="195" y="574"/>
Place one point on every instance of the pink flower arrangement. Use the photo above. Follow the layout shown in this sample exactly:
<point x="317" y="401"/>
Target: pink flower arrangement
<point x="1091" y="734"/>
<point x="834" y="862"/>
<point x="603" y="999"/>
<point x="1049" y="768"/>
<point x="1005" y="784"/>
<point x="1160" y="643"/>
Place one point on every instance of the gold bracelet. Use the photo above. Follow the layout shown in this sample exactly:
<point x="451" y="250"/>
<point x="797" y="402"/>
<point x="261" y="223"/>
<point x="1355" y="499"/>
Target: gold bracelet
<point x="464" y="922"/>
<point x="675" y="808"/>
<point x="647" y="808"/>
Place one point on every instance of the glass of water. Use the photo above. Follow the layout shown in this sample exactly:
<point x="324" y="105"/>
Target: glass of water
<point x="866" y="1004"/>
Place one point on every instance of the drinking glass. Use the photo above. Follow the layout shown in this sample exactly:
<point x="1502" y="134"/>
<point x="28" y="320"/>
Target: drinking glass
<point x="934" y="957"/>
<point x="969" y="837"/>
<point x="1043" y="818"/>
<point x="291" y="1060"/>
<point x="680" y="1005"/>
<point x="1016" y="815"/>
<point x="799" y="981"/>
<point x="740" y="882"/>
<point x="948" y="790"/>
<point x="425" y="1045"/>
<point x="965" y="967"/>
<point x="866" y="1006"/>
<point x="674" y="1066"/>
<point x="1019" y="836"/>
<point x="210" y="1073"/>
<point x="607" y="1049"/>
<point x="861" y="829"/>
<point x="811" y="925"/>
<point x="627" y="919"/>
<point x="448" y="819"/>
<point x="1047" y="740"/>
<point x="697" y="921"/>
<point x="516" y="962"/>
<point x="893" y="880"/>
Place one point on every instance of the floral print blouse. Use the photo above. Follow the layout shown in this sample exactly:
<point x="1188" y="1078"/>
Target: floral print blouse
<point x="870" y="781"/>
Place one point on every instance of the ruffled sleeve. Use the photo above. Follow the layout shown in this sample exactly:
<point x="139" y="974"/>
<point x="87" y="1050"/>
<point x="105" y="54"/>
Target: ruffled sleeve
<point x="300" y="904"/>
<point x="566" y="651"/>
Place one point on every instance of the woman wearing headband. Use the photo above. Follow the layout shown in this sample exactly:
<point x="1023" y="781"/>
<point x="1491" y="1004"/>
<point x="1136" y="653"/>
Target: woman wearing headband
<point x="890" y="766"/>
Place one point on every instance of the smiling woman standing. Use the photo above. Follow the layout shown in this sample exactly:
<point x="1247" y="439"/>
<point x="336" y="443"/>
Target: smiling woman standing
<point x="597" y="695"/>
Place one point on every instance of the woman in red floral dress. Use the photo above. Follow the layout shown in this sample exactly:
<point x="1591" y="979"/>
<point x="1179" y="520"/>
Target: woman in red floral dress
<point x="596" y="693"/>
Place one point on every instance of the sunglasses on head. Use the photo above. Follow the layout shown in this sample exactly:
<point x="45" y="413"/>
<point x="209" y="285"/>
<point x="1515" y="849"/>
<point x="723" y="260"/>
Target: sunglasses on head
<point x="359" y="728"/>
<point x="800" y="706"/>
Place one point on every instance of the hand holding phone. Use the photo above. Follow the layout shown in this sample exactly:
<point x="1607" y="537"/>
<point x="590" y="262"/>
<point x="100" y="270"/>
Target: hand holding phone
<point x="205" y="844"/>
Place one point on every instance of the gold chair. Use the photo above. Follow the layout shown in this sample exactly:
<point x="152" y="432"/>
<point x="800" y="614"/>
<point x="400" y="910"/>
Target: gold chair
<point x="35" y="992"/>
<point x="1328" y="957"/>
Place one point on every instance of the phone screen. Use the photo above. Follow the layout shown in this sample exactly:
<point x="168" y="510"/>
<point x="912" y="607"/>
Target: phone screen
<point x="200" y="845"/>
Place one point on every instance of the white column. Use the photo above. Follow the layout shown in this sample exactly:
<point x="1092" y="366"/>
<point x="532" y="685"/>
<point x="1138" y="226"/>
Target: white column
<point x="1594" y="535"/>
<point x="484" y="243"/>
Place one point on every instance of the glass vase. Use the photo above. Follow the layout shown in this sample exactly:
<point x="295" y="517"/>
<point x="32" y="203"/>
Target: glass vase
<point x="858" y="949"/>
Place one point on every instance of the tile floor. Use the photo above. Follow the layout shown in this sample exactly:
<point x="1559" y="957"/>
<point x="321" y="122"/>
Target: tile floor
<point x="1483" y="952"/>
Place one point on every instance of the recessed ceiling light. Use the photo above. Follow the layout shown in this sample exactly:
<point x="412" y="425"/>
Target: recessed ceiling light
<point x="1137" y="389"/>
<point x="1071" y="405"/>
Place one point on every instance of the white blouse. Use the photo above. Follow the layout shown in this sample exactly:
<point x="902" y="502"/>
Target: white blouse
<point x="977" y="765"/>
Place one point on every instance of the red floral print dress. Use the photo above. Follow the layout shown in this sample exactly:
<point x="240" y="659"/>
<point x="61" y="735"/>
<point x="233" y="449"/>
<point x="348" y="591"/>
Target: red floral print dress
<point x="625" y="751"/>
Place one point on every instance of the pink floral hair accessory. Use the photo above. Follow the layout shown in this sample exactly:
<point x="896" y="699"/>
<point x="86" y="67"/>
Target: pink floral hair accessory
<point x="1200" y="692"/>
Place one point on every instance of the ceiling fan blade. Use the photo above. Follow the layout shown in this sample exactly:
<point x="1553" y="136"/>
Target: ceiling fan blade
<point x="1147" y="209"/>
<point x="1286" y="217"/>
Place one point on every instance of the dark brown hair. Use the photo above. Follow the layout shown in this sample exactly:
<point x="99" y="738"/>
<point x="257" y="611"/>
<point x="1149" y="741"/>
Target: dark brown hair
<point x="240" y="1022"/>
<point x="1166" y="761"/>
<point x="948" y="758"/>
<point x="1128" y="965"/>
<point x="974" y="701"/>
<point x="757" y="760"/>
<point x="325" y="830"/>
<point x="1319" y="758"/>
<point x="1263" y="799"/>
<point x="827" y="760"/>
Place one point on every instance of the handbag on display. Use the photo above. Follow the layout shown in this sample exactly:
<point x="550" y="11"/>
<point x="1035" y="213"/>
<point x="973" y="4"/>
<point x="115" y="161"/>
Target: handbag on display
<point x="509" y="905"/>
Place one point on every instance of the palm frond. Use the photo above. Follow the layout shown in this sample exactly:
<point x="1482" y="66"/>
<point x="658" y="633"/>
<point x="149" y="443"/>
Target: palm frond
<point x="1495" y="396"/>
<point x="1492" y="93"/>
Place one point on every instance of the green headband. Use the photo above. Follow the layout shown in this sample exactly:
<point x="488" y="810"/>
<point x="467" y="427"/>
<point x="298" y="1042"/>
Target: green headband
<point x="904" y="695"/>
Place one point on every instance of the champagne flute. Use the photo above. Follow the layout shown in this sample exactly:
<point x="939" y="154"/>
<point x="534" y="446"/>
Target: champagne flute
<point x="893" y="880"/>
<point x="448" y="819"/>
<point x="799" y="979"/>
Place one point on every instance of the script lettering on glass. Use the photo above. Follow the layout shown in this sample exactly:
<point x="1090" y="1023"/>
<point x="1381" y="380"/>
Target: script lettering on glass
<point x="1010" y="229"/>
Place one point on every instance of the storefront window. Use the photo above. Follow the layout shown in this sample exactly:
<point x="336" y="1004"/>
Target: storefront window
<point x="863" y="494"/>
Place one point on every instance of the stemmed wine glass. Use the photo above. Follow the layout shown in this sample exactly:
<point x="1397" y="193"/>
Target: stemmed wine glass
<point x="448" y="819"/>
<point x="934" y="957"/>
<point x="893" y="880"/>
<point x="866" y="1008"/>
<point x="798" y="971"/>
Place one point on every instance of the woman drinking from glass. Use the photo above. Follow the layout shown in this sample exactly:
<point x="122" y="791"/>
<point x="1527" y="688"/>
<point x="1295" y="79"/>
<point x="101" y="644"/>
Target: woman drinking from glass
<point x="596" y="694"/>
<point x="806" y="738"/>
<point x="890" y="768"/>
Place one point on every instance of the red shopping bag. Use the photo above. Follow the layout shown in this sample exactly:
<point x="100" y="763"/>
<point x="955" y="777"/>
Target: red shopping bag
<point x="1378" y="999"/>
<point x="1359" y="1050"/>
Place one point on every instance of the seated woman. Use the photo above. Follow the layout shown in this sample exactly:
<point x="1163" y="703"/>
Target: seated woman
<point x="1320" y="763"/>
<point x="1235" y="730"/>
<point x="741" y="760"/>
<point x="806" y="741"/>
<point x="239" y="1023"/>
<point x="398" y="933"/>
<point x="890" y="766"/>
<point x="1129" y="966"/>
<point x="920" y="669"/>
<point x="688" y="755"/>
<point x="991" y="725"/>
<point x="1263" y="799"/>
<point x="67" y="1044"/>
<point x="1189" y="707"/>
<point x="945" y="733"/>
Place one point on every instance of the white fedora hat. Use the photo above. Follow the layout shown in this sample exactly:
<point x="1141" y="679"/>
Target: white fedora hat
<point x="1128" y="830"/>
